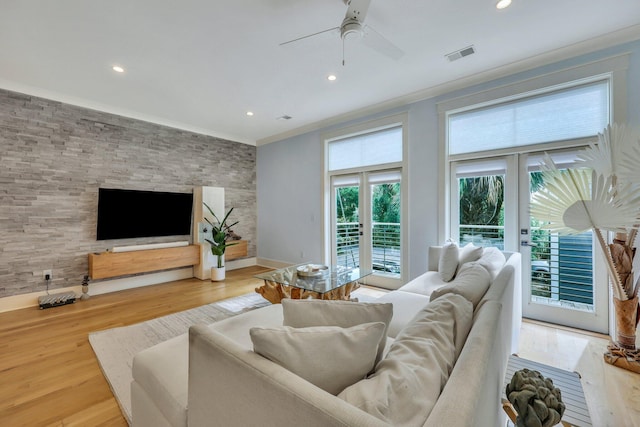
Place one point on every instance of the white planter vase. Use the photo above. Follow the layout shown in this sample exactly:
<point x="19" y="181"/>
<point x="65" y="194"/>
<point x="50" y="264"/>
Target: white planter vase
<point x="217" y="274"/>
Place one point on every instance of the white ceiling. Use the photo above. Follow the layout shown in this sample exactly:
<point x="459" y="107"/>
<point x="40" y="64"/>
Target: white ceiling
<point x="201" y="64"/>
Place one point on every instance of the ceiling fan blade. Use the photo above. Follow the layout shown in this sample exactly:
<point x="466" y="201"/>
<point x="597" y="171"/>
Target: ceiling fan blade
<point x="321" y="35"/>
<point x="357" y="9"/>
<point x="380" y="44"/>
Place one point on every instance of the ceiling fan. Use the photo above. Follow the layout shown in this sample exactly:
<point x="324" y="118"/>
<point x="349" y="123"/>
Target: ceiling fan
<point x="353" y="27"/>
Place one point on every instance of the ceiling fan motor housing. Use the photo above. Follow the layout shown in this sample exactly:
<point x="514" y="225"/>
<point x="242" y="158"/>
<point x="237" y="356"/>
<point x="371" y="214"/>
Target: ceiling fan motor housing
<point x="351" y="28"/>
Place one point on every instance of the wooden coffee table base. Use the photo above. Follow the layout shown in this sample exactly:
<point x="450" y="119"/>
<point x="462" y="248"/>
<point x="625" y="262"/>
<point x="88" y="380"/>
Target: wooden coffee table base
<point x="276" y="292"/>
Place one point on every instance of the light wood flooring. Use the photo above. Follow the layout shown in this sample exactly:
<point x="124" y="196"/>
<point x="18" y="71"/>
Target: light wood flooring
<point x="49" y="375"/>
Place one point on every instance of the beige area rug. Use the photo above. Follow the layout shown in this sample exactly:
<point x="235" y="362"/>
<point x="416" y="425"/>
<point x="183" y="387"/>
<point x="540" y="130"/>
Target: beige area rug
<point x="116" y="347"/>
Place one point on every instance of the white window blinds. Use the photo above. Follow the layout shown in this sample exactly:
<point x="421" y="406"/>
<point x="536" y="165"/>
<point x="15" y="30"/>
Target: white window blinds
<point x="375" y="148"/>
<point x="577" y="112"/>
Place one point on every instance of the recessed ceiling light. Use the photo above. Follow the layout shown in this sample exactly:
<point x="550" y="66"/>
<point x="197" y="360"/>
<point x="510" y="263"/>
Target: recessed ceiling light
<point x="503" y="4"/>
<point x="331" y="77"/>
<point x="249" y="113"/>
<point x="117" y="69"/>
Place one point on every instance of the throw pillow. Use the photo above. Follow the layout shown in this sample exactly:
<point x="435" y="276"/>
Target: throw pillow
<point x="329" y="357"/>
<point x="314" y="312"/>
<point x="448" y="262"/>
<point x="408" y="381"/>
<point x="493" y="260"/>
<point x="469" y="253"/>
<point x="471" y="282"/>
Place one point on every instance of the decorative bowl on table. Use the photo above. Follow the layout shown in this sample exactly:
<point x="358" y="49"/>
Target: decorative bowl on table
<point x="311" y="270"/>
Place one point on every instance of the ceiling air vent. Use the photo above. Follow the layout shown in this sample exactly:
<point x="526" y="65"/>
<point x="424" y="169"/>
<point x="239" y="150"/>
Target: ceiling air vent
<point x="285" y="117"/>
<point x="460" y="53"/>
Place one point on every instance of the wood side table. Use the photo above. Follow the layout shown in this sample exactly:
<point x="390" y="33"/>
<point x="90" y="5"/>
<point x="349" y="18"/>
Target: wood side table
<point x="576" y="413"/>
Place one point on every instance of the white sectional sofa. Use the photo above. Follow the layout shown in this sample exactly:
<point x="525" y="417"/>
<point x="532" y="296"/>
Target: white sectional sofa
<point x="212" y="376"/>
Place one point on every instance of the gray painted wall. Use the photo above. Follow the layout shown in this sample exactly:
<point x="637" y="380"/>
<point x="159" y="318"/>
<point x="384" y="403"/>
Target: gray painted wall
<point x="289" y="169"/>
<point x="53" y="159"/>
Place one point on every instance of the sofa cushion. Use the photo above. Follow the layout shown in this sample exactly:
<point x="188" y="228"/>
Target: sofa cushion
<point x="492" y="259"/>
<point x="407" y="382"/>
<point x="424" y="284"/>
<point x="448" y="262"/>
<point x="315" y="312"/>
<point x="405" y="307"/>
<point x="469" y="253"/>
<point x="237" y="327"/>
<point x="472" y="282"/>
<point x="329" y="357"/>
<point x="162" y="371"/>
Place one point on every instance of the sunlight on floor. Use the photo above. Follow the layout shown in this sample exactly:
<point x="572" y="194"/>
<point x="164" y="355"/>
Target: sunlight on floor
<point x="555" y="347"/>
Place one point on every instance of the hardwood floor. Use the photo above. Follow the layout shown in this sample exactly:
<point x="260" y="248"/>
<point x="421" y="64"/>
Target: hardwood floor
<point x="49" y="375"/>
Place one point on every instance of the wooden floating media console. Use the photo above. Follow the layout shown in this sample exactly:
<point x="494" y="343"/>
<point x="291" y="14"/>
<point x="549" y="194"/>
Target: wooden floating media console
<point x="106" y="265"/>
<point x="236" y="251"/>
<point x="113" y="264"/>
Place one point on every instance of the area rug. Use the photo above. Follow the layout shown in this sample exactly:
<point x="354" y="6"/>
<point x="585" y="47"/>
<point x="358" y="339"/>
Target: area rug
<point x="116" y="347"/>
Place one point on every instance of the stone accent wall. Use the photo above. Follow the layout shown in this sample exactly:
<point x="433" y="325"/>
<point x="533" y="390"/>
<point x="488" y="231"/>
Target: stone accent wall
<point x="55" y="156"/>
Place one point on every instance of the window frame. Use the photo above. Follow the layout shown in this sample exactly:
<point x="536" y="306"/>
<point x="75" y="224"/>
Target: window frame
<point x="396" y="120"/>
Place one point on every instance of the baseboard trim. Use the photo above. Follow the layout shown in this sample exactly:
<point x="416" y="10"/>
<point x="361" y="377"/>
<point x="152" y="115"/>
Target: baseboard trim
<point x="272" y="263"/>
<point x="17" y="302"/>
<point x="240" y="263"/>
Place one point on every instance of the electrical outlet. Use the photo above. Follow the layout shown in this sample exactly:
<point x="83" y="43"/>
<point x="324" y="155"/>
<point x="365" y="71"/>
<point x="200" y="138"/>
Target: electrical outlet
<point x="301" y="254"/>
<point x="46" y="273"/>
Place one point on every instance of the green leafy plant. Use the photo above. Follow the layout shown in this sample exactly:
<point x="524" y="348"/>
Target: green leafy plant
<point x="219" y="234"/>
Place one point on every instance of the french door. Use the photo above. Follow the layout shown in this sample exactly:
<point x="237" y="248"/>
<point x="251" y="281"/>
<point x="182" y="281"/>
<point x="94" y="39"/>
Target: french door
<point x="566" y="281"/>
<point x="490" y="207"/>
<point x="366" y="223"/>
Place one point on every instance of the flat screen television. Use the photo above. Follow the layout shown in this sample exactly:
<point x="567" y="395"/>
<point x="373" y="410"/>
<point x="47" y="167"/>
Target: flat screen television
<point x="124" y="214"/>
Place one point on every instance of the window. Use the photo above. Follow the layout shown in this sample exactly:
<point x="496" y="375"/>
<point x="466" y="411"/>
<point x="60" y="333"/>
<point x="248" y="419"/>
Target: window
<point x="368" y="149"/>
<point x="497" y="137"/>
<point x="365" y="194"/>
<point x="576" y="112"/>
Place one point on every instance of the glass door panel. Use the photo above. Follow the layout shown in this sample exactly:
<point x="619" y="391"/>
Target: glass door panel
<point x="348" y="228"/>
<point x="558" y="285"/>
<point x="367" y="225"/>
<point x="478" y="214"/>
<point x="385" y="244"/>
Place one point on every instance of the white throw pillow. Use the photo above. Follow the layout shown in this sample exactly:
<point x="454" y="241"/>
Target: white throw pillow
<point x="493" y="260"/>
<point x="448" y="262"/>
<point x="472" y="282"/>
<point x="408" y="381"/>
<point x="329" y="357"/>
<point x="314" y="312"/>
<point x="469" y="253"/>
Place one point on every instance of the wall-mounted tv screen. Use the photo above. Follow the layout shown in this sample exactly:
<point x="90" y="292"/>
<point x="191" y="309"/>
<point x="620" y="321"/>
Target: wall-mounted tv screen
<point x="124" y="214"/>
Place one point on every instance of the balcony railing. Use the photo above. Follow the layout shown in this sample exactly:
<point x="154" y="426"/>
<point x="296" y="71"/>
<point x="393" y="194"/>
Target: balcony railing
<point x="561" y="266"/>
<point x="482" y="235"/>
<point x="385" y="251"/>
<point x="562" y="269"/>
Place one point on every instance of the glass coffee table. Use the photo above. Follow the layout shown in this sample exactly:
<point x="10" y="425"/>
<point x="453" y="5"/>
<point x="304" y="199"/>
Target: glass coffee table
<point x="310" y="281"/>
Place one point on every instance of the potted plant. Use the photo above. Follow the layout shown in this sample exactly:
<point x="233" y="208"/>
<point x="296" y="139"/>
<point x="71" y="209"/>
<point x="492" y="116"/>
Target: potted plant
<point x="219" y="234"/>
<point x="603" y="195"/>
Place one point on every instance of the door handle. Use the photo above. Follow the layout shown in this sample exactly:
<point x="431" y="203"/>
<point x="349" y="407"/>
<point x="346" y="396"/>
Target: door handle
<point x="526" y="243"/>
